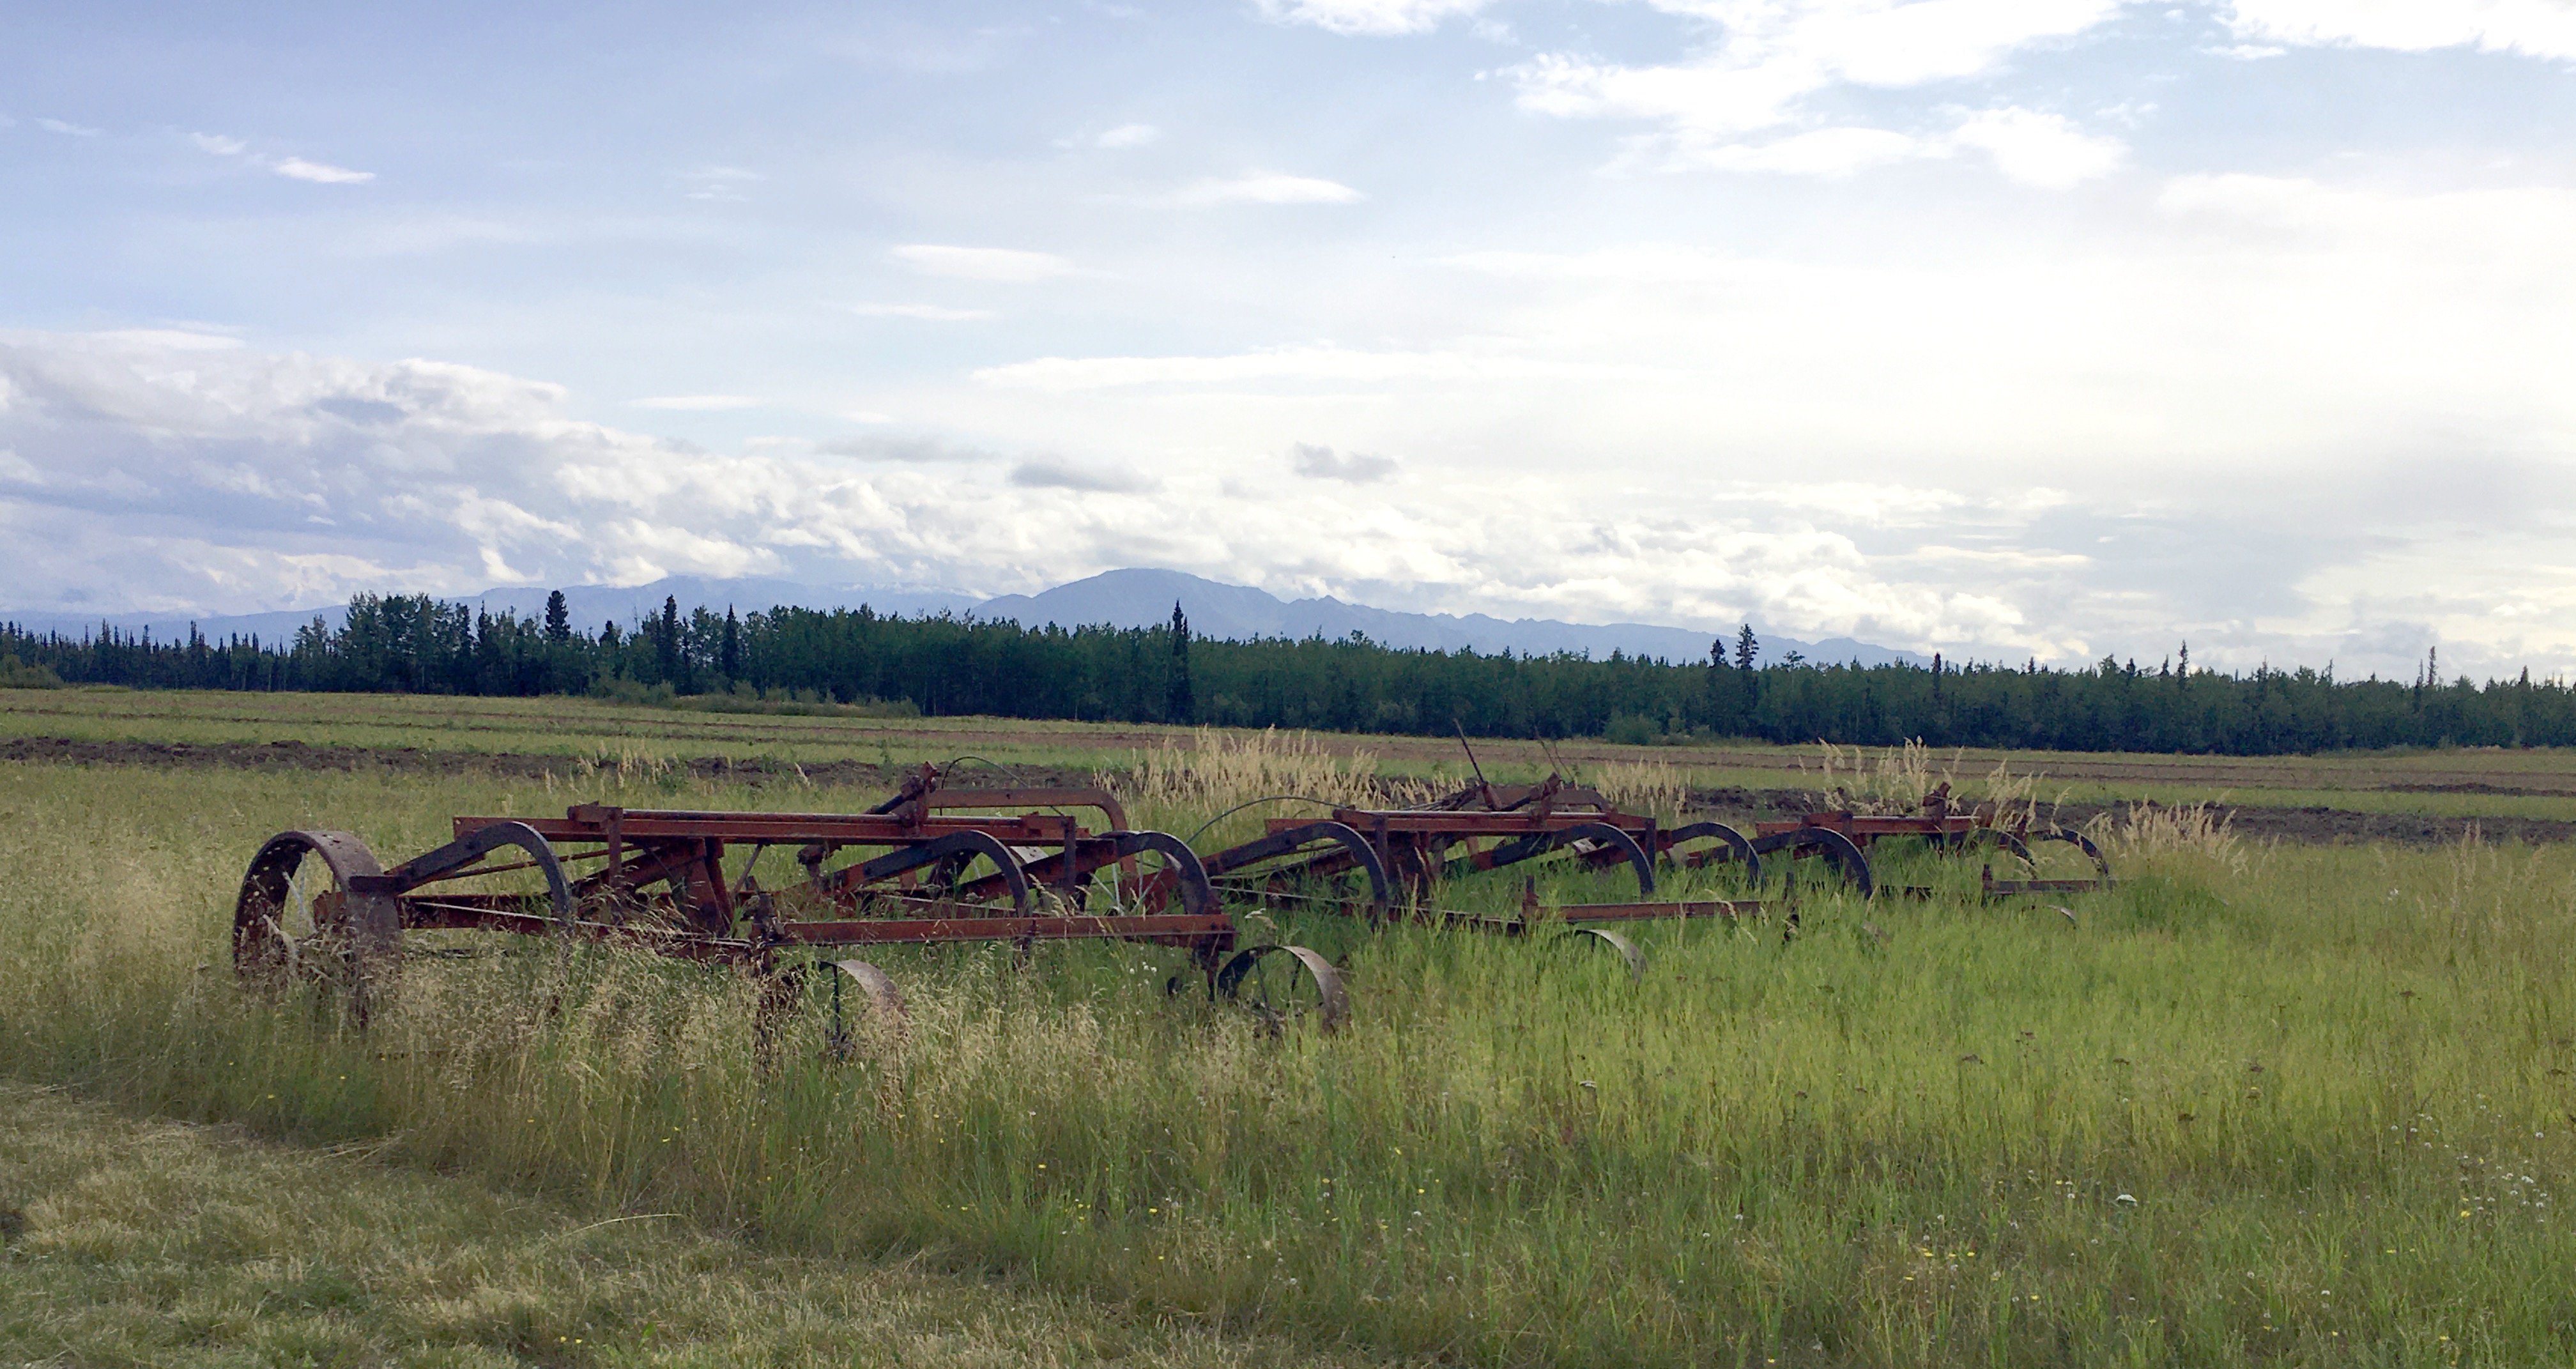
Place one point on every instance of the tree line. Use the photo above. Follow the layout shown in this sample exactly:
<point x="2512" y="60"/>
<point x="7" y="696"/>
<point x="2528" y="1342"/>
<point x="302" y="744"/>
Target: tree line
<point x="947" y="664"/>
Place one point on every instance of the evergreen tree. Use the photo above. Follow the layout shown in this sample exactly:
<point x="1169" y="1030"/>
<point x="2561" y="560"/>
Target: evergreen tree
<point x="729" y="659"/>
<point x="666" y="640"/>
<point x="558" y="618"/>
<point x="1180" y="704"/>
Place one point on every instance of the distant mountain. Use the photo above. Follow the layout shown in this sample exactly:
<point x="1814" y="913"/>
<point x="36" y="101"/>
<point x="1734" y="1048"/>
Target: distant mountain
<point x="1123" y="598"/>
<point x="1141" y="598"/>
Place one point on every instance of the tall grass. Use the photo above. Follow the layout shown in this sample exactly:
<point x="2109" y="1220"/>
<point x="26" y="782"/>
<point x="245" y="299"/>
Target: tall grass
<point x="2259" y="1104"/>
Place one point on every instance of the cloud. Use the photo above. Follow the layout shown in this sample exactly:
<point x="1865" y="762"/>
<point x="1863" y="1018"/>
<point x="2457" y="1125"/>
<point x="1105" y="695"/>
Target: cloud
<point x="71" y="130"/>
<point x="2532" y="28"/>
<point x="321" y="173"/>
<point x="982" y="263"/>
<point x="1045" y="474"/>
<point x="1321" y="364"/>
<point x="2036" y="149"/>
<point x="1370" y="18"/>
<point x="1266" y="187"/>
<point x="917" y="450"/>
<point x="934" y="313"/>
<point x="147" y="476"/>
<point x="1128" y="135"/>
<point x="1323" y="463"/>
<point x="1770" y="58"/>
<point x="700" y="403"/>
<point x="293" y="168"/>
<point x="169" y="339"/>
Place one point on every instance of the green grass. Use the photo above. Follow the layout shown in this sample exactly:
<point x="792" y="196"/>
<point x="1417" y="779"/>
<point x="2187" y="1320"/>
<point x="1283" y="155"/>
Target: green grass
<point x="2256" y="1106"/>
<point x="159" y="1243"/>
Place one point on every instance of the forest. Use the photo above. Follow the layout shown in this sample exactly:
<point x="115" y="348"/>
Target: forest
<point x="950" y="665"/>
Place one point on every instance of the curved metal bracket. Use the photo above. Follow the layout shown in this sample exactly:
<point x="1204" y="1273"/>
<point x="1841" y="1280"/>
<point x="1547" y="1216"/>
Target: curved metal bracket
<point x="883" y="997"/>
<point x="1999" y="837"/>
<point x="1334" y="1001"/>
<point x="931" y="852"/>
<point x="2101" y="862"/>
<point x="1621" y="844"/>
<point x="1846" y="856"/>
<point x="1627" y="949"/>
<point x="1198" y="897"/>
<point x="455" y="857"/>
<point x="1355" y="849"/>
<point x="1736" y="847"/>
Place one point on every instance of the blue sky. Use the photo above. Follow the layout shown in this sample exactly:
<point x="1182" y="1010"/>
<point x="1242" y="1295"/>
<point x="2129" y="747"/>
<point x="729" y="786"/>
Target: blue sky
<point x="2019" y="327"/>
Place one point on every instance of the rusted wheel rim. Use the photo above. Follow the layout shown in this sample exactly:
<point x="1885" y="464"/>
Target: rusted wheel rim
<point x="292" y="919"/>
<point x="1284" y="987"/>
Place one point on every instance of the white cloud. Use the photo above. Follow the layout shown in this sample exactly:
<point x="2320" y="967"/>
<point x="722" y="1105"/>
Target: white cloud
<point x="1295" y="364"/>
<point x="2043" y="150"/>
<point x="169" y="339"/>
<point x="2535" y="28"/>
<point x="219" y="144"/>
<point x="1266" y="187"/>
<point x="1770" y="58"/>
<point x="1370" y="18"/>
<point x="235" y="479"/>
<point x="321" y="173"/>
<point x="981" y="263"/>
<point x="934" y="313"/>
<point x="71" y="130"/>
<point x="701" y="403"/>
<point x="1128" y="135"/>
<point x="1323" y="463"/>
<point x="1045" y="473"/>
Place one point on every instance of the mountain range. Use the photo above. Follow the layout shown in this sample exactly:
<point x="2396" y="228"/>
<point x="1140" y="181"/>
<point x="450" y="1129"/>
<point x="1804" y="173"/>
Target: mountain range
<point x="1121" y="598"/>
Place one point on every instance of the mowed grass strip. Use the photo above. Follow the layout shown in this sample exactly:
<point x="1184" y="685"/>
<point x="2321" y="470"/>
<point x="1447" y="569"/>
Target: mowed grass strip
<point x="2257" y="1106"/>
<point x="138" y="1241"/>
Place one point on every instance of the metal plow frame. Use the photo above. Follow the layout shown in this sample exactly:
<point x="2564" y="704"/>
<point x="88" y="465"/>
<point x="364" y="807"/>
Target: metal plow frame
<point x="656" y="881"/>
<point x="1949" y="830"/>
<point x="1407" y="853"/>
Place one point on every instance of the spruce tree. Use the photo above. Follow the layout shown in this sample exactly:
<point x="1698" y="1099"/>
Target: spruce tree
<point x="1180" y="705"/>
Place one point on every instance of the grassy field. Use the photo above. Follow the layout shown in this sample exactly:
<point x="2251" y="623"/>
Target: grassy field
<point x="164" y="1243"/>
<point x="2265" y="1103"/>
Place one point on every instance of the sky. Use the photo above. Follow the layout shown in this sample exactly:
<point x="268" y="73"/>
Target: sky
<point x="2015" y="329"/>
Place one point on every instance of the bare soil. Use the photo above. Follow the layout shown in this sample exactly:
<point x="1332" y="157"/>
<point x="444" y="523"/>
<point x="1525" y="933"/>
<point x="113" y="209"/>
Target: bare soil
<point x="298" y="756"/>
<point x="2305" y="825"/>
<point x="2308" y="825"/>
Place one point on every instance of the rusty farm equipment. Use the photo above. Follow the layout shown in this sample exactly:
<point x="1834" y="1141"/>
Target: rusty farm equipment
<point x="1941" y="825"/>
<point x="930" y="865"/>
<point x="1391" y="863"/>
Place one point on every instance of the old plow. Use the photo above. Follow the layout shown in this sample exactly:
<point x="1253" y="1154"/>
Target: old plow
<point x="932" y="864"/>
<point x="1394" y="862"/>
<point x="1943" y="826"/>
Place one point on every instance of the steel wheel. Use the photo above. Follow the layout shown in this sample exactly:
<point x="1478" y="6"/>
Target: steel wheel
<point x="1284" y="986"/>
<point x="299" y="918"/>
